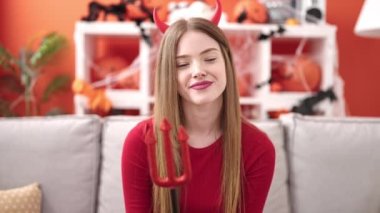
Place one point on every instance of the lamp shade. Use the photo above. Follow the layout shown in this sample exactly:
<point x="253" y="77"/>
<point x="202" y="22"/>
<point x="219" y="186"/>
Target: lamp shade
<point x="368" y="23"/>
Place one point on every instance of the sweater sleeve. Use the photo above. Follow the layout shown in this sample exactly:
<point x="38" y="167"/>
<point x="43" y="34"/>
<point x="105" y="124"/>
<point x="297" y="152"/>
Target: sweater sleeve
<point x="137" y="185"/>
<point x="259" y="168"/>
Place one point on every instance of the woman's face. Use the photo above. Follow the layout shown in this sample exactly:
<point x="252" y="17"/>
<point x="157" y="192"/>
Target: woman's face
<point x="201" y="72"/>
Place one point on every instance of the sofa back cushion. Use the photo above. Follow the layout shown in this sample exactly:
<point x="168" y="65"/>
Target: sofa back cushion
<point x="115" y="129"/>
<point x="60" y="153"/>
<point x="278" y="197"/>
<point x="334" y="164"/>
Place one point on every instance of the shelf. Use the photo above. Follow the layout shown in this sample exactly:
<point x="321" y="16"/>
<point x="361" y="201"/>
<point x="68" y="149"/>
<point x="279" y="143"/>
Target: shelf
<point x="130" y="28"/>
<point x="308" y="31"/>
<point x="283" y="100"/>
<point x="249" y="101"/>
<point x="110" y="28"/>
<point x="320" y="46"/>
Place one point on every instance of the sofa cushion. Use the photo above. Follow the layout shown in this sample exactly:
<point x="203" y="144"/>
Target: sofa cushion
<point x="278" y="197"/>
<point x="61" y="153"/>
<point x="115" y="130"/>
<point x="334" y="164"/>
<point x="22" y="199"/>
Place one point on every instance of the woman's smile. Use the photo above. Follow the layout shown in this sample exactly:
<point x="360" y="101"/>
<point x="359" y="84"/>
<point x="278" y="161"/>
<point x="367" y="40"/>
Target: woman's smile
<point x="201" y="85"/>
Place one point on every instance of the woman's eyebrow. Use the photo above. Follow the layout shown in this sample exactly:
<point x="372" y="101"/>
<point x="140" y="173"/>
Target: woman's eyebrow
<point x="203" y="52"/>
<point x="209" y="50"/>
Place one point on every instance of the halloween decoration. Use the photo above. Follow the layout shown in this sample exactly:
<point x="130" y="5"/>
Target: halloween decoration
<point x="96" y="98"/>
<point x="244" y="48"/>
<point x="280" y="10"/>
<point x="250" y="11"/>
<point x="132" y="10"/>
<point x="95" y="9"/>
<point x="163" y="26"/>
<point x="172" y="181"/>
<point x="187" y="9"/>
<point x="272" y="33"/>
<point x="110" y="68"/>
<point x="307" y="105"/>
<point x="299" y="74"/>
<point x="107" y="66"/>
<point x="292" y="21"/>
<point x="176" y="9"/>
<point x="313" y="13"/>
<point x="108" y="72"/>
<point x="275" y="114"/>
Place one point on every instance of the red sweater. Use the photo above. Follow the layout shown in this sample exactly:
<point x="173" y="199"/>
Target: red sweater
<point x="202" y="193"/>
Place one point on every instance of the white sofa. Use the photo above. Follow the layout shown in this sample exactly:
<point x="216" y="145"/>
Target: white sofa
<point x="328" y="165"/>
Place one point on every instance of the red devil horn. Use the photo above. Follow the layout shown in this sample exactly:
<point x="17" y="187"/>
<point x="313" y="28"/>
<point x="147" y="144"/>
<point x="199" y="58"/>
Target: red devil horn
<point x="218" y="13"/>
<point x="160" y="24"/>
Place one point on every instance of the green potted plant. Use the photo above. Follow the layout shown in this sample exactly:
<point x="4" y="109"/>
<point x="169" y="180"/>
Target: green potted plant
<point x="19" y="76"/>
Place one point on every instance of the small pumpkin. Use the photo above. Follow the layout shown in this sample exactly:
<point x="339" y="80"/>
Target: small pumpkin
<point x="250" y="11"/>
<point x="300" y="74"/>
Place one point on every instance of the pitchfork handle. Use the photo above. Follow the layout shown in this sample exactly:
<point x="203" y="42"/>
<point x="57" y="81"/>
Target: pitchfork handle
<point x="174" y="198"/>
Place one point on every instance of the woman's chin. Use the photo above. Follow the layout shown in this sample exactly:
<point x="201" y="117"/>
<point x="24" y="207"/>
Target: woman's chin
<point x="203" y="101"/>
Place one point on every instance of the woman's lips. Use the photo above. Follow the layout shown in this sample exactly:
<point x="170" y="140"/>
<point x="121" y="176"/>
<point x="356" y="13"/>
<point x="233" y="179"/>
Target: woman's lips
<point x="201" y="85"/>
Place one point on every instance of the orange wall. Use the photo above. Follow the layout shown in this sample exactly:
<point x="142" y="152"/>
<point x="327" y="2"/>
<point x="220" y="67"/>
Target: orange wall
<point x="359" y="60"/>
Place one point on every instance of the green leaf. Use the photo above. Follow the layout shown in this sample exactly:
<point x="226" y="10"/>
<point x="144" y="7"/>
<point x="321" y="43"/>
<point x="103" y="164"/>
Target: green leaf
<point x="6" y="59"/>
<point x="50" y="45"/>
<point x="57" y="84"/>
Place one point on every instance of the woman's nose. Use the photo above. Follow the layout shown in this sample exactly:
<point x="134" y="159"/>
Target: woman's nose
<point x="198" y="71"/>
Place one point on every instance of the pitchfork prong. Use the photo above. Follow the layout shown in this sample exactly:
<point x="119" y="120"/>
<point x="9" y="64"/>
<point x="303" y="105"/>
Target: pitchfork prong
<point x="172" y="180"/>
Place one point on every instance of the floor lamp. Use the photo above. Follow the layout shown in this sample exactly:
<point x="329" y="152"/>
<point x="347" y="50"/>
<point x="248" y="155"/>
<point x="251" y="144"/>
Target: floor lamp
<point x="368" y="23"/>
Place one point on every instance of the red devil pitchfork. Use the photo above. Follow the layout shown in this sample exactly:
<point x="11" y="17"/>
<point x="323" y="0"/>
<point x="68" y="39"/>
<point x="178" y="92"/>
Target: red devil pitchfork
<point x="172" y="180"/>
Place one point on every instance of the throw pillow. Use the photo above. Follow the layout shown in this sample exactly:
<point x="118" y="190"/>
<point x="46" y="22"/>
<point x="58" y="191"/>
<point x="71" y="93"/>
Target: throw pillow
<point x="23" y="199"/>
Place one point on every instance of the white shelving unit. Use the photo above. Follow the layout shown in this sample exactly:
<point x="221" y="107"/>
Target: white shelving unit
<point x="321" y="48"/>
<point x="85" y="41"/>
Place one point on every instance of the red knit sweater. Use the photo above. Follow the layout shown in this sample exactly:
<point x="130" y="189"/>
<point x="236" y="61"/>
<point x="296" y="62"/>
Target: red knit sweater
<point x="202" y="193"/>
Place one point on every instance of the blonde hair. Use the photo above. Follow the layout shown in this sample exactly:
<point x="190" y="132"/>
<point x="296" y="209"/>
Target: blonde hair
<point x="168" y="105"/>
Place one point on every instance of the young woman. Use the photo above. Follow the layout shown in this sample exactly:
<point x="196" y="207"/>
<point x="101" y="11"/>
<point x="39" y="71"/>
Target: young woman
<point x="232" y="161"/>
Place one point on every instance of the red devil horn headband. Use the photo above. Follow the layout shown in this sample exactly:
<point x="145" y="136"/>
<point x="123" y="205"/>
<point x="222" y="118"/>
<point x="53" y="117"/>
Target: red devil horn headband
<point x="163" y="27"/>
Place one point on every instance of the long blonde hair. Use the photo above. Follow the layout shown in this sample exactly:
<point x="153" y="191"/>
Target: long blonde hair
<point x="168" y="105"/>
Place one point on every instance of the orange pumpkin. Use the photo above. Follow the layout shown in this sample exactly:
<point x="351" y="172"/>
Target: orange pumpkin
<point x="106" y="66"/>
<point x="134" y="11"/>
<point x="300" y="74"/>
<point x="250" y="11"/>
<point x="97" y="99"/>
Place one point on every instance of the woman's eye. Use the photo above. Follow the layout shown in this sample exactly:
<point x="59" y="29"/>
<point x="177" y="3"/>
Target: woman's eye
<point x="210" y="59"/>
<point x="182" y="65"/>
